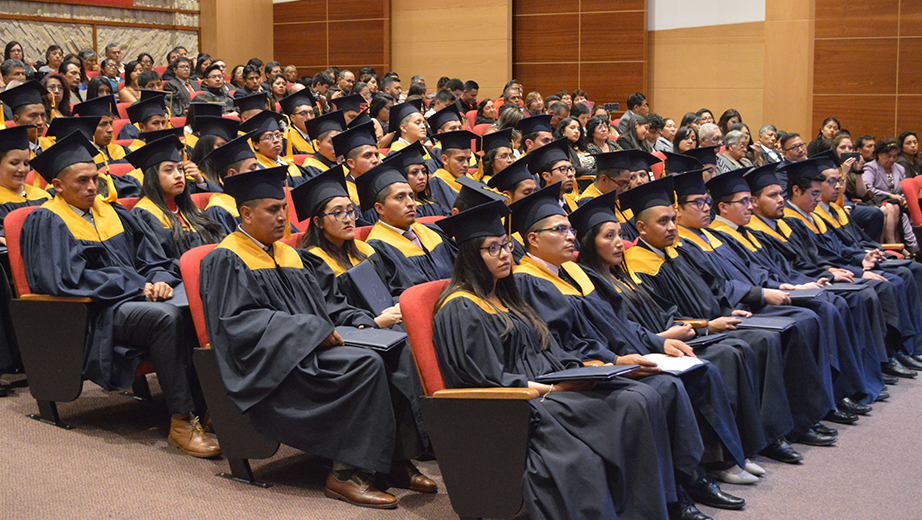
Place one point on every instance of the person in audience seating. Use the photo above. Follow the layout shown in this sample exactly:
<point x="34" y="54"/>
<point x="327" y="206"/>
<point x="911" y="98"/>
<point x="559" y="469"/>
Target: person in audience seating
<point x="300" y="107"/>
<point x="268" y="140"/>
<point x="230" y="159"/>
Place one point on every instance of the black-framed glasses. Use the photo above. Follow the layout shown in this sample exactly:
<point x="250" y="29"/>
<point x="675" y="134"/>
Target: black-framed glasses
<point x="564" y="169"/>
<point x="342" y="215"/>
<point x="747" y="202"/>
<point x="700" y="204"/>
<point x="304" y="113"/>
<point x="495" y="249"/>
<point x="796" y="147"/>
<point x="562" y="230"/>
<point x="272" y="137"/>
<point x="504" y="157"/>
<point x="834" y="182"/>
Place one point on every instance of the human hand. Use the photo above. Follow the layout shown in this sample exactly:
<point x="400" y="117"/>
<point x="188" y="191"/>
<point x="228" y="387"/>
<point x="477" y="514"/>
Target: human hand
<point x="775" y="297"/>
<point x="722" y="324"/>
<point x="647" y="367"/>
<point x="389" y="316"/>
<point x="676" y="348"/>
<point x="333" y="340"/>
<point x="679" y="331"/>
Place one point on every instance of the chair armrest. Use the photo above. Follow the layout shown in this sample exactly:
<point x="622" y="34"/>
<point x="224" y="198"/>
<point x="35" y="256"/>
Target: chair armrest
<point x="696" y="324"/>
<point x="592" y="363"/>
<point x="48" y="298"/>
<point x="894" y="247"/>
<point x="487" y="393"/>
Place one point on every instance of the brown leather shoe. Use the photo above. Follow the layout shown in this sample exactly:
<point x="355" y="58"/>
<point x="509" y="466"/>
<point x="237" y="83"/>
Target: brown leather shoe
<point x="187" y="435"/>
<point x="206" y="423"/>
<point x="404" y="475"/>
<point x="358" y="491"/>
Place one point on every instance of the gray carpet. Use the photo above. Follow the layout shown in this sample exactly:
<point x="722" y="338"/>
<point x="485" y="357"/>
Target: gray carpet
<point x="117" y="464"/>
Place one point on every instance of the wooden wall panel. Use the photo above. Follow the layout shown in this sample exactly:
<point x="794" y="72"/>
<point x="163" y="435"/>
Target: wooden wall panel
<point x="525" y="7"/>
<point x="537" y="41"/>
<point x="857" y="19"/>
<point x="908" y="113"/>
<point x="596" y="36"/>
<point x="910" y="58"/>
<point x="911" y="19"/>
<point x="864" y="66"/>
<point x="547" y="78"/>
<point x="873" y="115"/>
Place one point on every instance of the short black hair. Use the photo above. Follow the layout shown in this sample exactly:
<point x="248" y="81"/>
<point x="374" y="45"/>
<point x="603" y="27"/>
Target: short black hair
<point x="635" y="100"/>
<point x="471" y="85"/>
<point x="147" y="76"/>
<point x="321" y="78"/>
<point x="783" y="140"/>
<point x="250" y="69"/>
<point x="417" y="90"/>
<point x="454" y="84"/>
<point x="442" y="82"/>
<point x="271" y="65"/>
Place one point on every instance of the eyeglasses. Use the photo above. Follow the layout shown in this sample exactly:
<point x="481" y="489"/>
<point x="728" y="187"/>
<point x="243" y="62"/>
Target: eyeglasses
<point x="795" y="147"/>
<point x="272" y="137"/>
<point x="304" y="113"/>
<point x="834" y="182"/>
<point x="215" y="76"/>
<point x="55" y="88"/>
<point x="747" y="202"/>
<point x="560" y="230"/>
<point x="564" y="169"/>
<point x="342" y="215"/>
<point x="183" y="67"/>
<point x="700" y="204"/>
<point x="496" y="248"/>
<point x="504" y="157"/>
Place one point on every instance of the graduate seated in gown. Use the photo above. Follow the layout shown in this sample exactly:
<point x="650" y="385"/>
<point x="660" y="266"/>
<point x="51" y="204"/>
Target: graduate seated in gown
<point x="196" y="110"/>
<point x="78" y="245"/>
<point x="224" y="161"/>
<point x="271" y="316"/>
<point x="300" y="107"/>
<point x="408" y="253"/>
<point x="14" y="167"/>
<point x="249" y="106"/>
<point x="148" y="115"/>
<point x="498" y="153"/>
<point x="412" y="161"/>
<point x="474" y="193"/>
<point x="485" y="335"/>
<point x="350" y="106"/>
<point x="358" y="147"/>
<point x="268" y="141"/>
<point x="166" y="213"/>
<point x="321" y="131"/>
<point x="27" y="105"/>
<point x="106" y="108"/>
<point x="590" y="328"/>
<point x="456" y="158"/>
<point x="516" y="183"/>
<point x="551" y="165"/>
<point x="536" y="132"/>
<point x="408" y="124"/>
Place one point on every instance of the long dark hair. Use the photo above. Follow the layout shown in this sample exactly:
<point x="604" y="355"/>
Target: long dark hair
<point x="471" y="275"/>
<point x="203" y="147"/>
<point x="64" y="106"/>
<point x="680" y="136"/>
<point x="618" y="276"/>
<point x="197" y="219"/>
<point x="315" y="237"/>
<point x="129" y="68"/>
<point x="581" y="141"/>
<point x="92" y="89"/>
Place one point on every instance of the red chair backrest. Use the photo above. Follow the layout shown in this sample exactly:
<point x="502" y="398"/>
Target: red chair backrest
<point x="123" y="142"/>
<point x="481" y="128"/>
<point x="117" y="125"/>
<point x="178" y="122"/>
<point x="471" y="116"/>
<point x="190" y="265"/>
<point x="121" y="85"/>
<point x="384" y="151"/>
<point x="122" y="110"/>
<point x="295" y="240"/>
<point x="430" y="220"/>
<point x="361" y="233"/>
<point x="659" y="167"/>
<point x="12" y="226"/>
<point x="201" y="199"/>
<point x="910" y="189"/>
<point x="628" y="244"/>
<point x="92" y="73"/>
<point x="129" y="202"/>
<point x="299" y="158"/>
<point x="417" y="305"/>
<point x="160" y="70"/>
<point x="118" y="168"/>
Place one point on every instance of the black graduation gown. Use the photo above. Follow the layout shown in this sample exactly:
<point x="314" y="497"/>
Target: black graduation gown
<point x="266" y="317"/>
<point x="677" y="280"/>
<point x="65" y="255"/>
<point x="585" y="326"/>
<point x="155" y="225"/>
<point x="597" y="454"/>
<point x="222" y="209"/>
<point x="402" y="264"/>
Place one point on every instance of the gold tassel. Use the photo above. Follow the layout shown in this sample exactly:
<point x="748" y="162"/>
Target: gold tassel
<point x="2" y="120"/>
<point x="289" y="151"/>
<point x="53" y="107"/>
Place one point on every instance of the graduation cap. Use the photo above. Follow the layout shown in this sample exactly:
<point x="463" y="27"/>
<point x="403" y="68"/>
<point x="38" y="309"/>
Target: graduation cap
<point x="309" y="195"/>
<point x="677" y="162"/>
<point x="325" y="123"/>
<point x="485" y="220"/>
<point x="299" y="98"/>
<point x="160" y="134"/>
<point x="100" y="106"/>
<point x="72" y="149"/>
<point x="760" y="177"/>
<point x="499" y="139"/>
<point x="539" y="205"/>
<point x="265" y="121"/>
<point x="458" y="140"/>
<point x="370" y="183"/>
<point x="827" y="160"/>
<point x="408" y="156"/>
<point x="598" y="210"/>
<point x="142" y="110"/>
<point x="631" y="160"/>
<point x="511" y="175"/>
<point x="401" y="110"/>
<point x="199" y="108"/>
<point x="449" y="113"/>
<point x="149" y="93"/>
<point x="29" y="93"/>
<point x="257" y="101"/>
<point x="352" y="138"/>
<point x="222" y="127"/>
<point x="475" y="193"/>
<point x="351" y="103"/>
<point x="533" y="124"/>
<point x="806" y="169"/>
<point x="704" y="154"/>
<point x="548" y="154"/>
<point x="231" y="152"/>
<point x="155" y="152"/>
<point x="360" y="119"/>
<point x="15" y="138"/>
<point x="257" y="184"/>
<point x="660" y="192"/>
<point x="727" y="183"/>
<point x="61" y="126"/>
<point x="689" y="183"/>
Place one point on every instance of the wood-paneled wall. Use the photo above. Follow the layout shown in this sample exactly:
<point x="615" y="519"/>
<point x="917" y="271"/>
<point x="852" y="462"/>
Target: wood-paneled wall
<point x="596" y="45"/>
<point x="317" y="34"/>
<point x="868" y="65"/>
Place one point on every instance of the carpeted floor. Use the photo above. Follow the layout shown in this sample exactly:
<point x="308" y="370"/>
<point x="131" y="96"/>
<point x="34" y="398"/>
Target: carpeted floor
<point x="117" y="464"/>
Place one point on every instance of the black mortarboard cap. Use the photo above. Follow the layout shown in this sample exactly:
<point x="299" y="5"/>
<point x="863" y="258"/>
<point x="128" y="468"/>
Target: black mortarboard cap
<point x="594" y="212"/>
<point x="449" y="113"/>
<point x="222" y="127"/>
<point x="265" y="121"/>
<point x="704" y="154"/>
<point x="530" y="125"/>
<point x="147" y="137"/>
<point x="458" y="140"/>
<point x="350" y="103"/>
<point x="499" y="139"/>
<point x="257" y="101"/>
<point x="352" y="138"/>
<point x="72" y="149"/>
<point x="806" y="169"/>
<point x="142" y="110"/>
<point x="689" y="183"/>
<point x="149" y="93"/>
<point x="548" y="154"/>
<point x="727" y="183"/>
<point x="325" y="123"/>
<point x="99" y="106"/>
<point x="370" y="183"/>
<point x="408" y="156"/>
<point x="677" y="163"/>
<point x="485" y="220"/>
<point x="307" y="196"/>
<point x="361" y="119"/>
<point x="826" y="160"/>
<point x="474" y="193"/>
<point x="232" y="152"/>
<point x="760" y="177"/>
<point x="401" y="110"/>
<point x="155" y="152"/>
<point x="511" y="175"/>
<point x="257" y="184"/>
<point x="199" y="108"/>
<point x="631" y="160"/>
<point x="299" y="98"/>
<point x="540" y="204"/>
<point x="655" y="193"/>
<point x="29" y="93"/>
<point x="15" y="138"/>
<point x="61" y="126"/>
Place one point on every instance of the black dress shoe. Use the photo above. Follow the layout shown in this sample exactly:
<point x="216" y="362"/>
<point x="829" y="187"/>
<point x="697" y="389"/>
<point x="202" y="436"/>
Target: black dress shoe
<point x="706" y="491"/>
<point x="847" y="405"/>
<point x="825" y="430"/>
<point x="917" y="357"/>
<point x="781" y="451"/>
<point x="907" y="361"/>
<point x="894" y="368"/>
<point x="840" y="417"/>
<point x="4" y="392"/>
<point x="890" y="380"/>
<point x="812" y="438"/>
<point x="882" y="396"/>
<point x="685" y="509"/>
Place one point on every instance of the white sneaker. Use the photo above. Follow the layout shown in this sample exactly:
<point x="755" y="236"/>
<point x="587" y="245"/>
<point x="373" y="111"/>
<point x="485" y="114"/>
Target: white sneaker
<point x="736" y="475"/>
<point x="754" y="468"/>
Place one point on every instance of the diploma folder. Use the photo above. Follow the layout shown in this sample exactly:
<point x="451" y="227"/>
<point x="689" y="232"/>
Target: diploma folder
<point x="675" y="365"/>
<point x="375" y="339"/>
<point x="762" y="322"/>
<point x="370" y="287"/>
<point x="590" y="373"/>
<point x="804" y="294"/>
<point x="844" y="287"/>
<point x="895" y="262"/>
<point x="702" y="341"/>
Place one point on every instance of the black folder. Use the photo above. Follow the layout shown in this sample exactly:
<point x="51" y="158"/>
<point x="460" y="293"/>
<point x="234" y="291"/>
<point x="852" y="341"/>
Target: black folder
<point x="369" y="286"/>
<point x="702" y="341"/>
<point x="895" y="262"/>
<point x="844" y="287"/>
<point x="804" y="294"/>
<point x="375" y="339"/>
<point x="590" y="373"/>
<point x="764" y="322"/>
